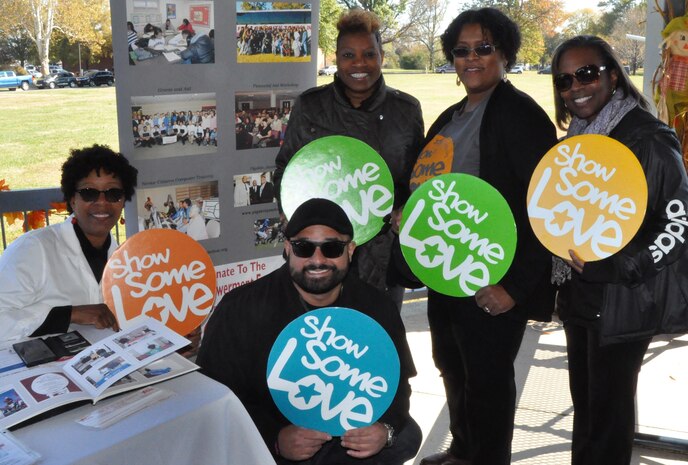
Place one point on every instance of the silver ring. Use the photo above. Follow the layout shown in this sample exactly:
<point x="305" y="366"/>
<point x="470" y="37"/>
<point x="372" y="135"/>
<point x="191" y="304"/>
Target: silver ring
<point x="487" y="310"/>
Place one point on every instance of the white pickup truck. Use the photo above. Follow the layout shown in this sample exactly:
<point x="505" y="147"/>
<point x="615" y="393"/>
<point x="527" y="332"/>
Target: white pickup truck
<point x="10" y="80"/>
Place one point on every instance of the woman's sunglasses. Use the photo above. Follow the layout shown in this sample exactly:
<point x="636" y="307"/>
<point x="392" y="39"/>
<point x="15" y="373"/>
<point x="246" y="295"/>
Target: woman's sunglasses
<point x="481" y="50"/>
<point x="585" y="75"/>
<point x="329" y="249"/>
<point x="89" y="194"/>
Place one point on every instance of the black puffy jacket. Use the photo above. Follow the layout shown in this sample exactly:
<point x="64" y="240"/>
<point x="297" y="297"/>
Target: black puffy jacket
<point x="390" y="121"/>
<point x="645" y="285"/>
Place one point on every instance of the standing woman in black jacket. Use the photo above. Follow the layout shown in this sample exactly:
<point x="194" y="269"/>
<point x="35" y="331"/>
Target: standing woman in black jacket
<point x="604" y="304"/>
<point x="359" y="104"/>
<point x="498" y="134"/>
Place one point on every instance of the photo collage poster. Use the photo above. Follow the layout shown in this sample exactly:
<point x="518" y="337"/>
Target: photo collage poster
<point x="204" y="93"/>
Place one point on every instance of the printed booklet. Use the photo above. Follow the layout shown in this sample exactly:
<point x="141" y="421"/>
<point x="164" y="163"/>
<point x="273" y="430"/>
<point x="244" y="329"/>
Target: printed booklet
<point x="127" y="360"/>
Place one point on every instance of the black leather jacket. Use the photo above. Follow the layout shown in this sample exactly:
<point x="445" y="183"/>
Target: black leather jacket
<point x="390" y="121"/>
<point x="645" y="285"/>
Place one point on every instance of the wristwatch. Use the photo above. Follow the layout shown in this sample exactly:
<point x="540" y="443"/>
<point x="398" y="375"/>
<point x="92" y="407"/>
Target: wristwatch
<point x="390" y="434"/>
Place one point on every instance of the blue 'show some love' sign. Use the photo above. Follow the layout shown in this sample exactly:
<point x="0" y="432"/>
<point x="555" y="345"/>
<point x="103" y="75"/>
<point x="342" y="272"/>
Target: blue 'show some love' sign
<point x="332" y="370"/>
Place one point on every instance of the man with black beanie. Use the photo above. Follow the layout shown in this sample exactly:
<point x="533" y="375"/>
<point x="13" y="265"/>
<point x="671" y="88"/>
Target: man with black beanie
<point x="248" y="320"/>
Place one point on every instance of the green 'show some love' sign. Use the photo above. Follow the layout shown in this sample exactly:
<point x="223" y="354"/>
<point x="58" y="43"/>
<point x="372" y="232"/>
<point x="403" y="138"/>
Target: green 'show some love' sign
<point x="348" y="172"/>
<point x="458" y="234"/>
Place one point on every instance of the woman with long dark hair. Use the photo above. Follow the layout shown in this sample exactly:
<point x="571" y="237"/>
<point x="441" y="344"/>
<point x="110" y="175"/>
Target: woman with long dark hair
<point x="609" y="306"/>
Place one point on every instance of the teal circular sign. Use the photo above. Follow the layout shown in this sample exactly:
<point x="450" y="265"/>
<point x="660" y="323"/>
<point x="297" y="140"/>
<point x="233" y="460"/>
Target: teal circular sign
<point x="457" y="234"/>
<point x="348" y="172"/>
<point x="332" y="370"/>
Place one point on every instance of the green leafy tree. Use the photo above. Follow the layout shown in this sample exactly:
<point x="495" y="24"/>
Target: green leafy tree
<point x="584" y="21"/>
<point x="15" y="44"/>
<point x="535" y="18"/>
<point x="329" y="15"/>
<point x="614" y="10"/>
<point x="389" y="12"/>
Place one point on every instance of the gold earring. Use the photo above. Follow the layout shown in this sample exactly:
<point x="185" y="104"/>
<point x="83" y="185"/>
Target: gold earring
<point x="458" y="81"/>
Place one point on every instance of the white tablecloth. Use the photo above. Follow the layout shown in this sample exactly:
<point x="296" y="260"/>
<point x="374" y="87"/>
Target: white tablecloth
<point x="202" y="424"/>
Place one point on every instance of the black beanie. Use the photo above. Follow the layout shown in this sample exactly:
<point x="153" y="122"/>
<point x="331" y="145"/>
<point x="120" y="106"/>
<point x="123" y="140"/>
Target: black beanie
<point x="319" y="212"/>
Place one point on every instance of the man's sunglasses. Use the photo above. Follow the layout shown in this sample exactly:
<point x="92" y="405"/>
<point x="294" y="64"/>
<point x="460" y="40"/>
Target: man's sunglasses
<point x="329" y="249"/>
<point x="89" y="194"/>
<point x="585" y="75"/>
<point x="482" y="50"/>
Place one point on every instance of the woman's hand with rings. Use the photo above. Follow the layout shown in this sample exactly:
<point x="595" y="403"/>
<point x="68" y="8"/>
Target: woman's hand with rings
<point x="494" y="300"/>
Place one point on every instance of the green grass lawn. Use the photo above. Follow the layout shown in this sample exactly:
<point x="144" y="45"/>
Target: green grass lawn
<point x="39" y="127"/>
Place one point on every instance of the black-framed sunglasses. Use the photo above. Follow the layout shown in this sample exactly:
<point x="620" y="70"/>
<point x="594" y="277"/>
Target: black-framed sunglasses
<point x="329" y="249"/>
<point x="112" y="195"/>
<point x="481" y="50"/>
<point x="585" y="75"/>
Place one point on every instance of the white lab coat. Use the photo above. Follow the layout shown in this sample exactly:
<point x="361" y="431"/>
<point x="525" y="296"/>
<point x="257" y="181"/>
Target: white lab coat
<point x="42" y="269"/>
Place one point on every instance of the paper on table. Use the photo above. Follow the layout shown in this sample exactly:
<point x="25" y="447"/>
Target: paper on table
<point x="10" y="361"/>
<point x="124" y="406"/>
<point x="13" y="452"/>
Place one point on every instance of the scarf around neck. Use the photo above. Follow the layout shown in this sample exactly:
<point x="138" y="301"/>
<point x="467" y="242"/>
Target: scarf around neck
<point x="607" y="119"/>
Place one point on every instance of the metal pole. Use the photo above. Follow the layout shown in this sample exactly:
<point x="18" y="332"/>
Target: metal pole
<point x="81" y="73"/>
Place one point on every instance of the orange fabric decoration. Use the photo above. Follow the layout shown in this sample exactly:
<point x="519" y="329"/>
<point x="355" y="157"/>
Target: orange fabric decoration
<point x="36" y="219"/>
<point x="11" y="217"/>
<point x="59" y="207"/>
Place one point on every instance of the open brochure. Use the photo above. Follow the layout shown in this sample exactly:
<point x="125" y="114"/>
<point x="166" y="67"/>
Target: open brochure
<point x="127" y="360"/>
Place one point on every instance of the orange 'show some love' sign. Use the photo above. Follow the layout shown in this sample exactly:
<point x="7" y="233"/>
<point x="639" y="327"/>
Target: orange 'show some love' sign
<point x="164" y="274"/>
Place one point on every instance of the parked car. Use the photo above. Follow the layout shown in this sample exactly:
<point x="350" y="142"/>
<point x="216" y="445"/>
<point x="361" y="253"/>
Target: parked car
<point x="517" y="69"/>
<point x="95" y="78"/>
<point x="33" y="71"/>
<point x="327" y="70"/>
<point x="10" y="80"/>
<point x="545" y="70"/>
<point x="445" y="68"/>
<point x="59" y="79"/>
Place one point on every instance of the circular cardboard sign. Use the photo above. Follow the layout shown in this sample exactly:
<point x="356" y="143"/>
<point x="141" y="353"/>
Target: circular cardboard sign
<point x="458" y="234"/>
<point x="435" y="159"/>
<point x="161" y="273"/>
<point x="333" y="369"/>
<point x="589" y="194"/>
<point x="346" y="171"/>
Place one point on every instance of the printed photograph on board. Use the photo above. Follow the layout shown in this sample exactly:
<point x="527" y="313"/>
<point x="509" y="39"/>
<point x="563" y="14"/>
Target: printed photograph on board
<point x="253" y="189"/>
<point x="170" y="33"/>
<point x="273" y="32"/>
<point x="174" y="125"/>
<point x="268" y="233"/>
<point x="193" y="209"/>
<point x="262" y="118"/>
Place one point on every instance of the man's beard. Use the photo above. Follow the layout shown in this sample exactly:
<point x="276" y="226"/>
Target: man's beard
<point x="318" y="285"/>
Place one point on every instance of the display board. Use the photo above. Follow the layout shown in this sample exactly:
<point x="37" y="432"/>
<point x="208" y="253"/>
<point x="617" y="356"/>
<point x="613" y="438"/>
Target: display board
<point x="202" y="119"/>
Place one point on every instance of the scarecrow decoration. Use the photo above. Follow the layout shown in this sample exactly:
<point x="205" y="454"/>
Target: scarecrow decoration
<point x="671" y="80"/>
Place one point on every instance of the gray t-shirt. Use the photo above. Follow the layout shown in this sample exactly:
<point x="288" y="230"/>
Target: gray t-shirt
<point x="464" y="131"/>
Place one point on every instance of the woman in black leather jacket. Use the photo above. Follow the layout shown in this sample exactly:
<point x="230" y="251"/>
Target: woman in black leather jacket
<point x="499" y="134"/>
<point x="359" y="104"/>
<point x="611" y="308"/>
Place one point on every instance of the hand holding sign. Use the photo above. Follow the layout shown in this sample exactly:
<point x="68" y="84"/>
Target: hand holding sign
<point x="458" y="234"/>
<point x="587" y="194"/>
<point x="161" y="273"/>
<point x="346" y="171"/>
<point x="332" y="370"/>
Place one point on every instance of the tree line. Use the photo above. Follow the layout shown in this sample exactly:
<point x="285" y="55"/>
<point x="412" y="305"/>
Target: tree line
<point x="43" y="31"/>
<point x="413" y="27"/>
